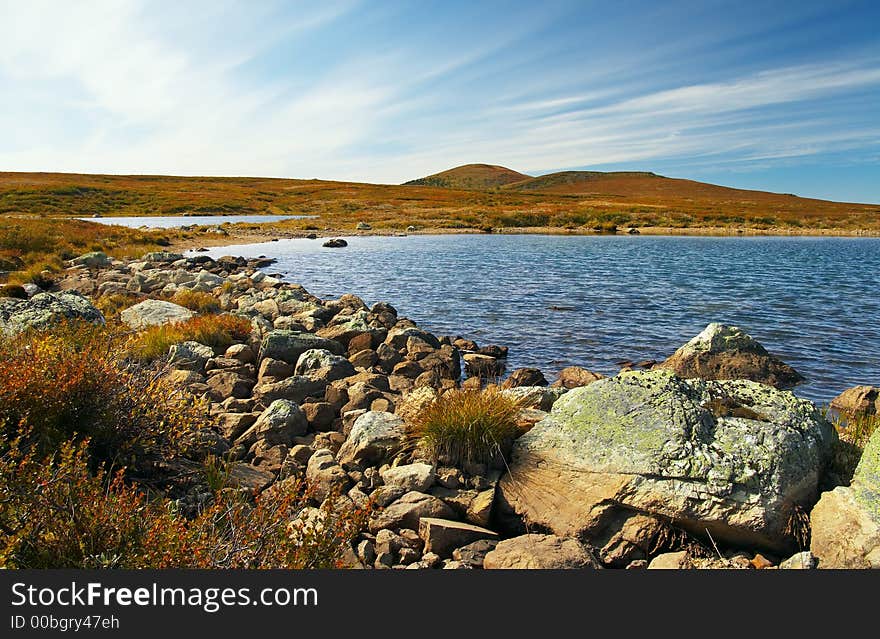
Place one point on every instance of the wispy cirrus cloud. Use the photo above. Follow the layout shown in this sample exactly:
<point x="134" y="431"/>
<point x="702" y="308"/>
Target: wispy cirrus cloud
<point x="340" y="90"/>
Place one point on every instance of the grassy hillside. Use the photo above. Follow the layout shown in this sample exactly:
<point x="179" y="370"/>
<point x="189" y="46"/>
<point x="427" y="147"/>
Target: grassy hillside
<point x="471" y="176"/>
<point x="579" y="202"/>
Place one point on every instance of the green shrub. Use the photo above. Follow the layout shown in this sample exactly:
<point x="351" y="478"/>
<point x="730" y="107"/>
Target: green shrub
<point x="853" y="433"/>
<point x="465" y="426"/>
<point x="211" y="330"/>
<point x="197" y="301"/>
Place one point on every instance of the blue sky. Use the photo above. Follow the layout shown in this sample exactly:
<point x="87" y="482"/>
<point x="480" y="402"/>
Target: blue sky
<point x="782" y="96"/>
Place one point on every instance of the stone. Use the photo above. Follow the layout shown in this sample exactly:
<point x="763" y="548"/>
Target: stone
<point x="154" y="313"/>
<point x="241" y="352"/>
<point x="295" y="388"/>
<point x="407" y="511"/>
<point x="484" y="366"/>
<point x="538" y="397"/>
<point x="44" y="310"/>
<point x="735" y="458"/>
<point x="325" y="476"/>
<point x="375" y="437"/>
<point x="278" y="424"/>
<point x="335" y="243"/>
<point x="366" y="358"/>
<point x="289" y="345"/>
<point x="525" y="377"/>
<point x="479" y="510"/>
<point x="243" y="475"/>
<point x="320" y="415"/>
<point x="95" y="259"/>
<point x="669" y="561"/>
<point x="544" y="552"/>
<point x="185" y="378"/>
<point x="233" y="425"/>
<point x="418" y="477"/>
<point x="223" y="385"/>
<point x="275" y="369"/>
<point x="760" y="562"/>
<point x="190" y="356"/>
<point x="474" y="554"/>
<point x="442" y="536"/>
<point x="363" y="226"/>
<point x="164" y="257"/>
<point x="415" y="402"/>
<point x="727" y="352"/>
<point x="575" y="376"/>
<point x="801" y="561"/>
<point x="320" y="363"/>
<point x="859" y="400"/>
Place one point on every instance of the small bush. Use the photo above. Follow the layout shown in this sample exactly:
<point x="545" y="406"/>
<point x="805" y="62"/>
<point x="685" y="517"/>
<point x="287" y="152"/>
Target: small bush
<point x="217" y="331"/>
<point x="56" y="514"/>
<point x="68" y="383"/>
<point x="113" y="304"/>
<point x="13" y="290"/>
<point x="197" y="301"/>
<point x="467" y="426"/>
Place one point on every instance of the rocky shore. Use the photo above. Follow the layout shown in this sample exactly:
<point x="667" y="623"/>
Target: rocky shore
<point x="704" y="460"/>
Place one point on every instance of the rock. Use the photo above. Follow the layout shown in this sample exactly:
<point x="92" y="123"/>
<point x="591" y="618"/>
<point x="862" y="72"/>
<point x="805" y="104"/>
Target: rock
<point x="374" y="438"/>
<point x="575" y="376"/>
<point x="164" y="257"/>
<point x="325" y="476"/>
<point x="545" y="552"/>
<point x="320" y="415"/>
<point x="241" y="352"/>
<point x="418" y="477"/>
<point x="525" y="377"/>
<point x="538" y="397"/>
<point x="43" y="310"/>
<point x="801" y="561"/>
<point x="289" y="345"/>
<point x="479" y="510"/>
<point x="727" y="352"/>
<point x="846" y="521"/>
<point x="335" y="243"/>
<point x="96" y="259"/>
<point x="669" y="561"/>
<point x="415" y="402"/>
<point x="366" y="358"/>
<point x="223" y="385"/>
<point x="485" y="366"/>
<point x="295" y="388"/>
<point x="320" y="363"/>
<point x="363" y="226"/>
<point x="246" y="476"/>
<point x="190" y="356"/>
<point x="154" y="313"/>
<point x="474" y="554"/>
<point x="233" y="425"/>
<point x="407" y="511"/>
<point x="278" y="424"/>
<point x="760" y="562"/>
<point x="733" y="457"/>
<point x="275" y="369"/>
<point x="442" y="536"/>
<point x="399" y="335"/>
<point x="859" y="400"/>
<point x="185" y="378"/>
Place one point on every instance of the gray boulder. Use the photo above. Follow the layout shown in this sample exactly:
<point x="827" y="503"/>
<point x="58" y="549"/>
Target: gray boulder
<point x="325" y="476"/>
<point x="733" y="458"/>
<point x="375" y="437"/>
<point x="289" y="345"/>
<point x="190" y="356"/>
<point x="278" y="424"/>
<point x="44" y="310"/>
<point x="323" y="364"/>
<point x="96" y="259"/>
<point x="154" y="313"/>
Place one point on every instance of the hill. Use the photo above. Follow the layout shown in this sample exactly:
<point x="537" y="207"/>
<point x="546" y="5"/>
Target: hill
<point x="471" y="176"/>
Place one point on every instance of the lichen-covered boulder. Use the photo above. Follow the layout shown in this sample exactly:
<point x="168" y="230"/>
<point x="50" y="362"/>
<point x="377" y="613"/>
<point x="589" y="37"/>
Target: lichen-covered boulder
<point x="727" y="352"/>
<point x="289" y="345"/>
<point x="319" y="363"/>
<point x="730" y="457"/>
<point x="95" y="259"/>
<point x="375" y="437"/>
<point x="154" y="313"/>
<point x="278" y="424"/>
<point x="846" y="521"/>
<point x="43" y="310"/>
<point x="190" y="356"/>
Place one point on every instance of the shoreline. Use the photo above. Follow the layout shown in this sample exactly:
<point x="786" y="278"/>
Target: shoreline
<point x="236" y="236"/>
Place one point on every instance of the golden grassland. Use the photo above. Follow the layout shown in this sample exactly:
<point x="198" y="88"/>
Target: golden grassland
<point x="567" y="202"/>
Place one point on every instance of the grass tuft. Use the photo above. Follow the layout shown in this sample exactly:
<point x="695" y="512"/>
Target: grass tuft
<point x="217" y="331"/>
<point x="464" y="426"/>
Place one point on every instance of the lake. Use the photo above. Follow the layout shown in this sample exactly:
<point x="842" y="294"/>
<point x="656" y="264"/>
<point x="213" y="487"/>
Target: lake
<point x="596" y="300"/>
<point x="176" y="221"/>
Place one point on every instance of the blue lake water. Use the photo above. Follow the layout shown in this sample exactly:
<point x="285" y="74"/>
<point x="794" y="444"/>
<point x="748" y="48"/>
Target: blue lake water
<point x="815" y="302"/>
<point x="175" y="221"/>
